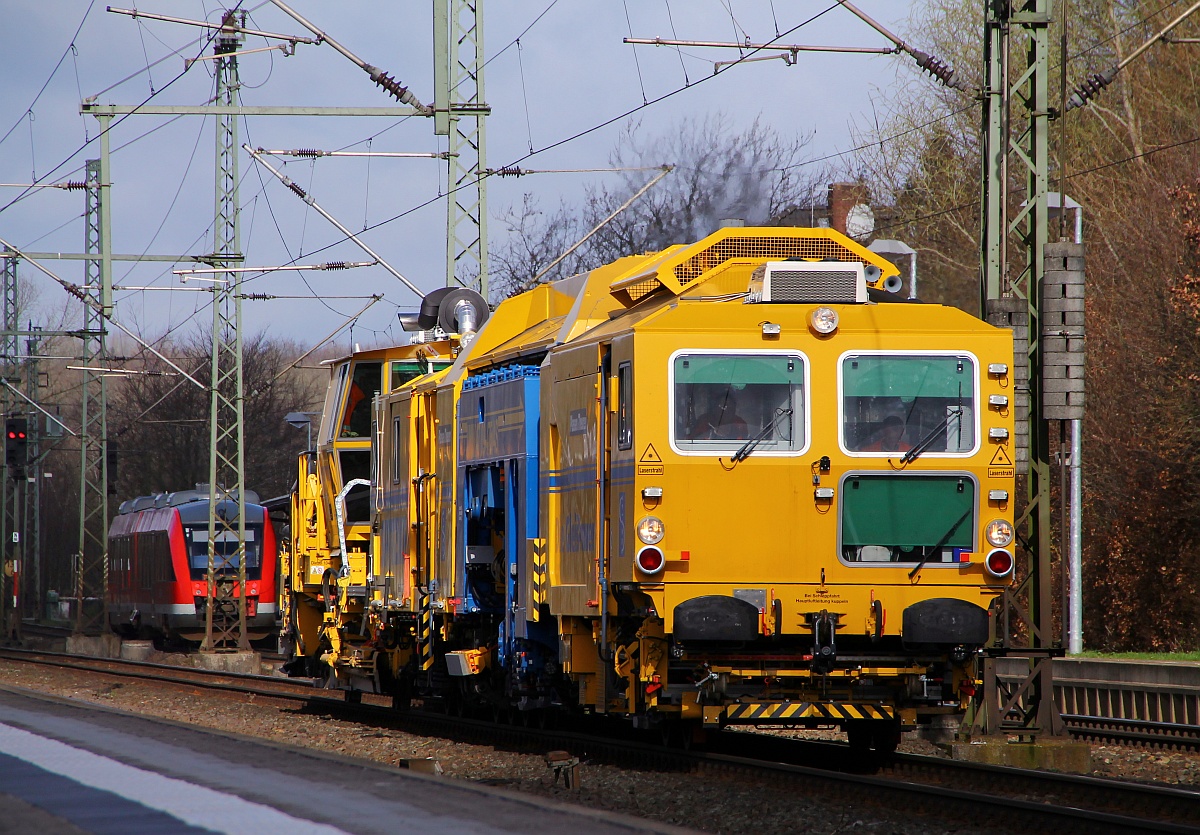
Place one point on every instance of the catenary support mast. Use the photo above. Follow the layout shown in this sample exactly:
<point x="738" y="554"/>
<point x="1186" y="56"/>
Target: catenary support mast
<point x="11" y="488"/>
<point x="459" y="113"/>
<point x="225" y="606"/>
<point x="91" y="560"/>
<point x="1016" y="127"/>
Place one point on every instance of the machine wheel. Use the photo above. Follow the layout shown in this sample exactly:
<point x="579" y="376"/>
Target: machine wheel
<point x="859" y="735"/>
<point x="885" y="738"/>
<point x="880" y="737"/>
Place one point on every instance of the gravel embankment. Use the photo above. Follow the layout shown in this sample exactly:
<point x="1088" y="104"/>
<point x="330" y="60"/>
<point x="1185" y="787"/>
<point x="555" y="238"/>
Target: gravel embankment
<point x="711" y="803"/>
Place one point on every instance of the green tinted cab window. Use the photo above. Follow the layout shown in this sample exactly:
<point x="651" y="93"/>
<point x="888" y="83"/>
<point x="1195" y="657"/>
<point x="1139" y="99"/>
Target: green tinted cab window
<point x="907" y="518"/>
<point x="893" y="402"/>
<point x="722" y="401"/>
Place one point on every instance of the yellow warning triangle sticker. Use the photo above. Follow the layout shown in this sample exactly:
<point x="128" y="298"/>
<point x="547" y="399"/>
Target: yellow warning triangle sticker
<point x="1001" y="459"/>
<point x="650" y="456"/>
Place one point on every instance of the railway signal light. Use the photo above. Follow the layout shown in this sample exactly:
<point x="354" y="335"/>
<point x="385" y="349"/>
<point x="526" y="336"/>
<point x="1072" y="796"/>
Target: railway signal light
<point x="16" y="445"/>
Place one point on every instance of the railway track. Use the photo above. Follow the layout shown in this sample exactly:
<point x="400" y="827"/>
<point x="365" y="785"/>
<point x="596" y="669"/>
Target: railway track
<point x="1136" y="732"/>
<point x="988" y="796"/>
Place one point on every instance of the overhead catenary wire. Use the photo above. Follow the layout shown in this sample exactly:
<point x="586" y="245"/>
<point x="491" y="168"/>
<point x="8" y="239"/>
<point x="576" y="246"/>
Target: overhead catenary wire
<point x="389" y="84"/>
<point x="930" y="63"/>
<point x="78" y="293"/>
<point x="228" y="28"/>
<point x="349" y="321"/>
<point x="279" y="231"/>
<point x="575" y="136"/>
<point x="1096" y="82"/>
<point x="108" y="127"/>
<point x="299" y="192"/>
<point x="792" y="48"/>
<point x="548" y="147"/>
<point x="666" y="169"/>
<point x="34" y="404"/>
<point x="537" y="151"/>
<point x="1075" y="175"/>
<point x="28" y="110"/>
<point x="316" y="152"/>
<point x="329" y="265"/>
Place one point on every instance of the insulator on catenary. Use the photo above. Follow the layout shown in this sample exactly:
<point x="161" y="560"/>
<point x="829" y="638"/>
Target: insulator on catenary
<point x="394" y="87"/>
<point x="298" y="191"/>
<point x="309" y="152"/>
<point x="509" y="171"/>
<point x="938" y="69"/>
<point x="73" y="185"/>
<point x="1092" y="85"/>
<point x="335" y="265"/>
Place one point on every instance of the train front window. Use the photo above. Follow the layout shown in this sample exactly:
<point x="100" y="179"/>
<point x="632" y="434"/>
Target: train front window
<point x="364" y="385"/>
<point x="225" y="552"/>
<point x="907" y="518"/>
<point x="723" y="401"/>
<point x="333" y="396"/>
<point x="356" y="464"/>
<point x="895" y="403"/>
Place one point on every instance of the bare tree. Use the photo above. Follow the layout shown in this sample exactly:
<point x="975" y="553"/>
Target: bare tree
<point x="160" y="422"/>
<point x="720" y="172"/>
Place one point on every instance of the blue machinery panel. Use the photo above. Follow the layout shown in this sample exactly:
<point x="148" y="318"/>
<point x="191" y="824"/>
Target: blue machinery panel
<point x="498" y="475"/>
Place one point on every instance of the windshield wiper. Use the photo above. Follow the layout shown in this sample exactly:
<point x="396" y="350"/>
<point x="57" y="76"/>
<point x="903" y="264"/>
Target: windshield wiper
<point x="925" y="442"/>
<point x="941" y="542"/>
<point x="750" y="445"/>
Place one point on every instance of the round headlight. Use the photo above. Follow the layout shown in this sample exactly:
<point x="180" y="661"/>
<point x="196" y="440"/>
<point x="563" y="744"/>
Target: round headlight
<point x="824" y="320"/>
<point x="999" y="533"/>
<point x="650" y="530"/>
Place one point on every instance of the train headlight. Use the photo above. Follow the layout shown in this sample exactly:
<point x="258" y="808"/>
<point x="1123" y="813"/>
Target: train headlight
<point x="824" y="320"/>
<point x="650" y="530"/>
<point x="999" y="533"/>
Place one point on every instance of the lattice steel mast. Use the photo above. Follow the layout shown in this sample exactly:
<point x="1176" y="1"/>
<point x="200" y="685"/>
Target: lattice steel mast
<point x="1013" y="296"/>
<point x="31" y="528"/>
<point x="10" y="507"/>
<point x="225" y="609"/>
<point x="91" y="567"/>
<point x="459" y="112"/>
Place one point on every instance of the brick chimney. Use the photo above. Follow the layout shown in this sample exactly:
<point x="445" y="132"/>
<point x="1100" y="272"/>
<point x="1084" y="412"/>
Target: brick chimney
<point x="842" y="198"/>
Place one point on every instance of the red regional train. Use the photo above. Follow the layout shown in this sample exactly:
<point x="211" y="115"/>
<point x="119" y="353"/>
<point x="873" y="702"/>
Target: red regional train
<point x="158" y="564"/>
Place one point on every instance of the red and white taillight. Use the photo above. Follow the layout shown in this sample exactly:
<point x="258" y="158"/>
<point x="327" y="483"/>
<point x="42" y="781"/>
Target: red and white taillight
<point x="999" y="563"/>
<point x="650" y="560"/>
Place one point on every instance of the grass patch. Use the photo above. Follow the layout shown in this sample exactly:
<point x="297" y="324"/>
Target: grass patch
<point x="1141" y="656"/>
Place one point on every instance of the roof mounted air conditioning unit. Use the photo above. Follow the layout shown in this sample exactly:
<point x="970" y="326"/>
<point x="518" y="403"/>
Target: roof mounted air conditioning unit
<point x="820" y="282"/>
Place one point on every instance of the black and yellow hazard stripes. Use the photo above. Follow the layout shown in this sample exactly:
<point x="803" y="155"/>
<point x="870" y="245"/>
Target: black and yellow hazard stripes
<point x="539" y="580"/>
<point x="425" y="631"/>
<point x="764" y="712"/>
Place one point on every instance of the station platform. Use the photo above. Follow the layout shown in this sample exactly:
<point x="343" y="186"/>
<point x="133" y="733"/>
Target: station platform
<point x="69" y="768"/>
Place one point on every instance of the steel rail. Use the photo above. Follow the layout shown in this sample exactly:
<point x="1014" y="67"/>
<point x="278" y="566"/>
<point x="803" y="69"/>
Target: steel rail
<point x="1134" y="732"/>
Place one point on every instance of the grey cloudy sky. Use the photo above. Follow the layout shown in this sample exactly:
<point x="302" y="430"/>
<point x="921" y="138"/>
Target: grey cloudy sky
<point x="570" y="73"/>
